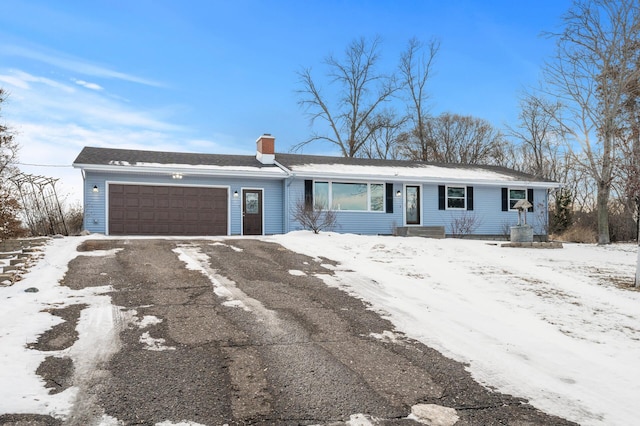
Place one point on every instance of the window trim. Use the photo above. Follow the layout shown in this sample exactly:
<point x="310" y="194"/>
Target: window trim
<point x="330" y="195"/>
<point x="517" y="199"/>
<point x="446" y="197"/>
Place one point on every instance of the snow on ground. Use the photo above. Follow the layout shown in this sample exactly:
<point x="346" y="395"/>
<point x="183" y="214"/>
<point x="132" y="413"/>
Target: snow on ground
<point x="552" y="326"/>
<point x="548" y="325"/>
<point x="23" y="318"/>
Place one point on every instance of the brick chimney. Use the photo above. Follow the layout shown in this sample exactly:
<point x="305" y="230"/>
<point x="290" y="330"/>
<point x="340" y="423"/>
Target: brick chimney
<point x="266" y="153"/>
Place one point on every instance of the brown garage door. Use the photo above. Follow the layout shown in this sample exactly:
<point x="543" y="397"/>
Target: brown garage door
<point x="167" y="210"/>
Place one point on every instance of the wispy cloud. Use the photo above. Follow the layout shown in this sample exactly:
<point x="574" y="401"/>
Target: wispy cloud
<point x="44" y="100"/>
<point x="23" y="80"/>
<point x="54" y="119"/>
<point x="92" y="86"/>
<point x="66" y="62"/>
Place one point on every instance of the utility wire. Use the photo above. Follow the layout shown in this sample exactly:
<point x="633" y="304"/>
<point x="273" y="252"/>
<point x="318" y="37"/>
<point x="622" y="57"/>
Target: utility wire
<point x="43" y="165"/>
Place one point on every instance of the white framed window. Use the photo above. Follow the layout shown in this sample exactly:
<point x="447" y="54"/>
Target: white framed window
<point x="349" y="196"/>
<point x="515" y="195"/>
<point x="456" y="197"/>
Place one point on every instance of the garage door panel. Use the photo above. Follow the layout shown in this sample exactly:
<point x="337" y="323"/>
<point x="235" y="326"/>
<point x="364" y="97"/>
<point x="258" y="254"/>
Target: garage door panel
<point x="191" y="216"/>
<point x="148" y="215"/>
<point x="192" y="203"/>
<point x="147" y="202"/>
<point x="167" y="210"/>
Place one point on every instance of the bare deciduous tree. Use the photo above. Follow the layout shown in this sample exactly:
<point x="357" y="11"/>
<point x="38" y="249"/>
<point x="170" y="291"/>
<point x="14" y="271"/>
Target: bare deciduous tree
<point x="416" y="67"/>
<point x="593" y="66"/>
<point x="362" y="90"/>
<point x="8" y="145"/>
<point x="454" y="138"/>
<point x="541" y="148"/>
<point x="386" y="128"/>
<point x="9" y="206"/>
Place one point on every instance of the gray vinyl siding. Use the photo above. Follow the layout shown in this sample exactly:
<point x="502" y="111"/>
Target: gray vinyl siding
<point x="487" y="211"/>
<point x="281" y="196"/>
<point x="369" y="223"/>
<point x="95" y="203"/>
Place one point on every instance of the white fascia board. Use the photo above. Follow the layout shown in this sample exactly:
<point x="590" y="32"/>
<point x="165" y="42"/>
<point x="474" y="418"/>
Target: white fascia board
<point x="433" y="180"/>
<point x="186" y="171"/>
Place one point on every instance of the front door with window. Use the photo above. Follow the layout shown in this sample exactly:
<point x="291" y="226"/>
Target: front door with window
<point x="252" y="212"/>
<point x="412" y="204"/>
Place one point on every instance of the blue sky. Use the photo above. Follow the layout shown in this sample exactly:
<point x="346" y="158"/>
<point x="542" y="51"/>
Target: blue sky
<point x="212" y="76"/>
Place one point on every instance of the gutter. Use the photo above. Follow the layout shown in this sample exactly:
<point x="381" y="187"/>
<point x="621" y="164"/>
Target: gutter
<point x="186" y="171"/>
<point x="433" y="180"/>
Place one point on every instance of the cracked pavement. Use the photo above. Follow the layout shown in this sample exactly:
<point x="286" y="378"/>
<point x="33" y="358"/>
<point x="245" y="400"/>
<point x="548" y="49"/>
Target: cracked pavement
<point x="242" y="331"/>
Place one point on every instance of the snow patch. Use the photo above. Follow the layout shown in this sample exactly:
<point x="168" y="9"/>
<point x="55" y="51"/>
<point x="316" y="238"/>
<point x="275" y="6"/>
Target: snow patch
<point x="232" y="247"/>
<point x="198" y="261"/>
<point x="296" y="272"/>
<point x="147" y="321"/>
<point x="360" y="420"/>
<point x="106" y="420"/>
<point x="153" y="344"/>
<point x="387" y="336"/>
<point x="557" y="327"/>
<point x="23" y="317"/>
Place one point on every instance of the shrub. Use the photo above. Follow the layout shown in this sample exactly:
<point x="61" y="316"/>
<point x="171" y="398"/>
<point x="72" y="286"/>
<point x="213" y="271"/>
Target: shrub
<point x="73" y="218"/>
<point x="10" y="225"/>
<point x="561" y="216"/>
<point x="464" y="225"/>
<point x="314" y="218"/>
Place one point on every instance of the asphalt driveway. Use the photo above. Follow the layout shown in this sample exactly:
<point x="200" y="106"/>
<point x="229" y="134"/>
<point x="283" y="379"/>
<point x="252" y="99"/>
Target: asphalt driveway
<point x="243" y="332"/>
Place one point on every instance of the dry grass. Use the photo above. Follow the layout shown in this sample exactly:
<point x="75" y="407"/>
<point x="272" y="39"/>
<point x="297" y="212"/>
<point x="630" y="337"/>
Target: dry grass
<point x="577" y="234"/>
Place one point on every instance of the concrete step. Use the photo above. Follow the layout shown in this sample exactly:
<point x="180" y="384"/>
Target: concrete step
<point x="11" y="268"/>
<point x="421" y="231"/>
<point x="7" y="276"/>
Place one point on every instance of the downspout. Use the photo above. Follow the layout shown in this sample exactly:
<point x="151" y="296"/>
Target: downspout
<point x="285" y="200"/>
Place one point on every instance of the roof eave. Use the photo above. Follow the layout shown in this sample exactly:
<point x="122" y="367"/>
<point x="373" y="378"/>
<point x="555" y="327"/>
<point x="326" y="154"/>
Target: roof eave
<point x="437" y="180"/>
<point x="274" y="173"/>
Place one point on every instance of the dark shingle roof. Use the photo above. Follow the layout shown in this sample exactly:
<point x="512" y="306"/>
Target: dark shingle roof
<point x="111" y="156"/>
<point x="292" y="160"/>
<point x="115" y="157"/>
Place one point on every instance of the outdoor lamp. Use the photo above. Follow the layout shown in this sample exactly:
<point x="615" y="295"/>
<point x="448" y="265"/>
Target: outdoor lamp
<point x="95" y="188"/>
<point x="398" y="193"/>
<point x="235" y="194"/>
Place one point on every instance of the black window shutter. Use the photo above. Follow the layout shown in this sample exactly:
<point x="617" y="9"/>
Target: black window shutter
<point x="308" y="194"/>
<point x="530" y="198"/>
<point x="389" y="197"/>
<point x="505" y="199"/>
<point x="441" y="197"/>
<point x="469" y="197"/>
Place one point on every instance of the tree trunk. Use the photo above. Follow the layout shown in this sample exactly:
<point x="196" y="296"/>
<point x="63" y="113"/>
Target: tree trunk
<point x="604" y="190"/>
<point x="636" y="282"/>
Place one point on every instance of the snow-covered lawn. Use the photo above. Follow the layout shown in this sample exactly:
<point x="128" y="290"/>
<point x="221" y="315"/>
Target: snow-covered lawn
<point x="552" y="326"/>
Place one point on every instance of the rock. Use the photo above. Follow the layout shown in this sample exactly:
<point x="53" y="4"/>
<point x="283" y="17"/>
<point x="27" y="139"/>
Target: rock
<point x="434" y="415"/>
<point x="31" y="290"/>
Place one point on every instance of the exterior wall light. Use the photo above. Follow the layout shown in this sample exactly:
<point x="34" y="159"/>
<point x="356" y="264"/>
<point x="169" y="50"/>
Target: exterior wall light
<point x="177" y="175"/>
<point x="398" y="193"/>
<point x="235" y="194"/>
<point x="95" y="188"/>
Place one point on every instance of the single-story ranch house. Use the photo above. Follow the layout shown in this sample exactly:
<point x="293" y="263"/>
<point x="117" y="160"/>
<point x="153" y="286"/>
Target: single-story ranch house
<point x="131" y="192"/>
